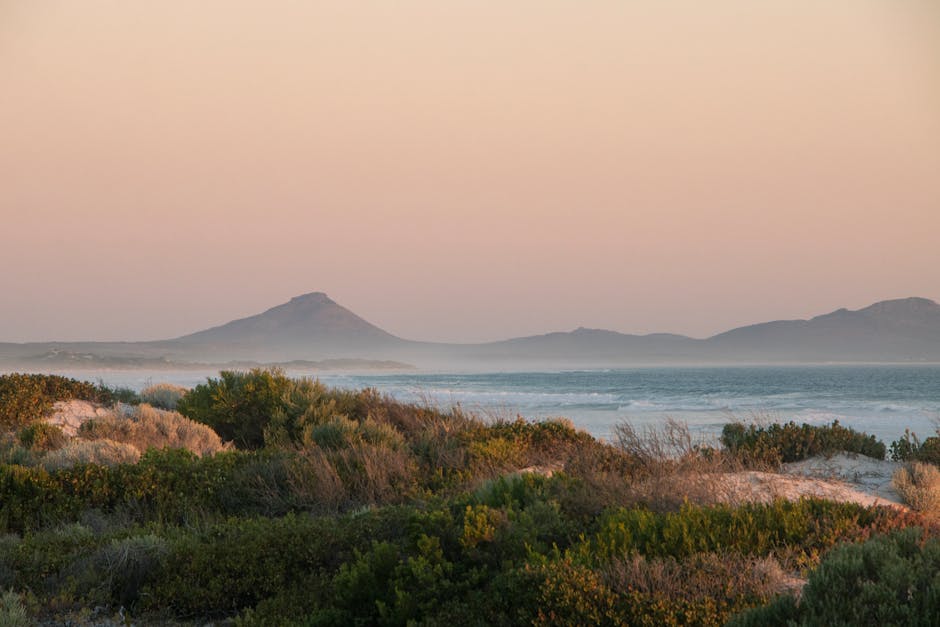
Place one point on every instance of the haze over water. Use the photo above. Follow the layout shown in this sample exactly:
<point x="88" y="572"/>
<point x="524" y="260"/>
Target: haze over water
<point x="880" y="400"/>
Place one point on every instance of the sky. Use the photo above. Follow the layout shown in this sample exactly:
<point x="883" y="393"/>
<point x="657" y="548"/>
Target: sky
<point x="464" y="170"/>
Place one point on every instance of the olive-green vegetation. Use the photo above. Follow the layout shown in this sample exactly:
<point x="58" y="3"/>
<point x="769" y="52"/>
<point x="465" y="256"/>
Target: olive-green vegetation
<point x="783" y="443"/>
<point x="889" y="580"/>
<point x="340" y="507"/>
<point x="25" y="398"/>
<point x="909" y="448"/>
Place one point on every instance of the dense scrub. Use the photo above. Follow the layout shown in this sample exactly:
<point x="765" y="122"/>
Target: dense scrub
<point x="783" y="443"/>
<point x="25" y="398"/>
<point x="889" y="580"/>
<point x="910" y="448"/>
<point x="348" y="508"/>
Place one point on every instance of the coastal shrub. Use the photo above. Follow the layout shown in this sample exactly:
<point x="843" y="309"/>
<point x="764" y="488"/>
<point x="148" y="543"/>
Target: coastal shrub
<point x="238" y="406"/>
<point x="783" y="443"/>
<point x="888" y="580"/>
<point x="42" y="436"/>
<point x="100" y="452"/>
<point x="145" y="427"/>
<point x="163" y="395"/>
<point x="26" y="398"/>
<point x="118" y="394"/>
<point x="703" y="589"/>
<point x="9" y="543"/>
<point x="808" y="526"/>
<point x="909" y="448"/>
<point x="239" y="562"/>
<point x="381" y="434"/>
<point x="164" y="485"/>
<point x="336" y="433"/>
<point x="42" y="558"/>
<point x="12" y="611"/>
<point x="264" y="406"/>
<point x="919" y="486"/>
<point x="13" y="452"/>
<point x="117" y="571"/>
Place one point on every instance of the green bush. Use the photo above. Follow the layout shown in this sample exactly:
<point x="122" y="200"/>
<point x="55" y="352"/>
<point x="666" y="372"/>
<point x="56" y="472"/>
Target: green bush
<point x="238" y="406"/>
<point x="790" y="442"/>
<point x="42" y="436"/>
<point x="889" y="580"/>
<point x="118" y="571"/>
<point x="809" y="525"/>
<point x="26" y="398"/>
<point x="909" y="448"/>
<point x="264" y="406"/>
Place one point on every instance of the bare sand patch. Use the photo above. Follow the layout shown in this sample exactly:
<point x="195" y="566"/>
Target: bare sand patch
<point x="842" y="477"/>
<point x="70" y="415"/>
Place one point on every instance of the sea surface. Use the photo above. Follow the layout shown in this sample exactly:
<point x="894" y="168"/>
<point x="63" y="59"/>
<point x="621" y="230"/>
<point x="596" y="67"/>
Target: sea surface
<point x="881" y="400"/>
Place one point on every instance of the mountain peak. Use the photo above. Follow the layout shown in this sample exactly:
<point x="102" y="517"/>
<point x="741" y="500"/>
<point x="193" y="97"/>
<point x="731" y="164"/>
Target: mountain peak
<point x="309" y="324"/>
<point x="903" y="305"/>
<point x="313" y="297"/>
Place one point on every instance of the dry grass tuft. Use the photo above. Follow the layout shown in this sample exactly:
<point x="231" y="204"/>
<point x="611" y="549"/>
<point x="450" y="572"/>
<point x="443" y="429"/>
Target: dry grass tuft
<point x="702" y="576"/>
<point x="102" y="452"/>
<point x="163" y="395"/>
<point x="919" y="486"/>
<point x="672" y="467"/>
<point x="146" y="427"/>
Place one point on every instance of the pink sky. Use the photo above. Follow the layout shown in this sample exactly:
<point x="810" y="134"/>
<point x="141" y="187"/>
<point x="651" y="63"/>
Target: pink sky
<point x="463" y="170"/>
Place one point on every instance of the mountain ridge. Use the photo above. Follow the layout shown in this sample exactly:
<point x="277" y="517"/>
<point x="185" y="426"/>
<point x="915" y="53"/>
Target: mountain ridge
<point x="312" y="326"/>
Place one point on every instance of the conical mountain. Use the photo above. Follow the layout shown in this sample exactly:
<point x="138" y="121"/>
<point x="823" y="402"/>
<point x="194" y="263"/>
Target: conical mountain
<point x="311" y="324"/>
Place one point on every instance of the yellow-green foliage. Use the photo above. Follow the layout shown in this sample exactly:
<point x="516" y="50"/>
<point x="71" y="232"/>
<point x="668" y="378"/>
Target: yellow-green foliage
<point x="163" y="395"/>
<point x="146" y="427"/>
<point x="12" y="611"/>
<point x="354" y="509"/>
<point x="790" y="442"/>
<point x="42" y="436"/>
<point x="25" y="398"/>
<point x="101" y="452"/>
<point x="919" y="485"/>
<point x="888" y="580"/>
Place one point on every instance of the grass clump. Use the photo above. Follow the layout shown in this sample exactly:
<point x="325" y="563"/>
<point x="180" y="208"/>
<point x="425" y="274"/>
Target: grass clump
<point x="98" y="452"/>
<point x="145" y="427"/>
<point x="163" y="395"/>
<point x="42" y="436"/>
<point x="919" y="486"/>
<point x="12" y="611"/>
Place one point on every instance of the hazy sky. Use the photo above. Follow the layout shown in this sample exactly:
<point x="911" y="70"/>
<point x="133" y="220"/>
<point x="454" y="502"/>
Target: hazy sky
<point x="464" y="170"/>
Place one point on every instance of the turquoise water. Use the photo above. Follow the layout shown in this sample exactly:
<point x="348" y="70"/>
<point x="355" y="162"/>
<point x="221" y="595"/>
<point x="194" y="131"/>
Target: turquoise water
<point x="883" y="400"/>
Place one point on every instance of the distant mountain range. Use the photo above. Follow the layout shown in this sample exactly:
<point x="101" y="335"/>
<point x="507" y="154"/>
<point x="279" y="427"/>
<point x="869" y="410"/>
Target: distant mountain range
<point x="315" y="329"/>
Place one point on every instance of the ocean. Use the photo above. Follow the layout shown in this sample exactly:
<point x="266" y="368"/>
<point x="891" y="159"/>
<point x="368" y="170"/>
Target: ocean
<point x="881" y="400"/>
